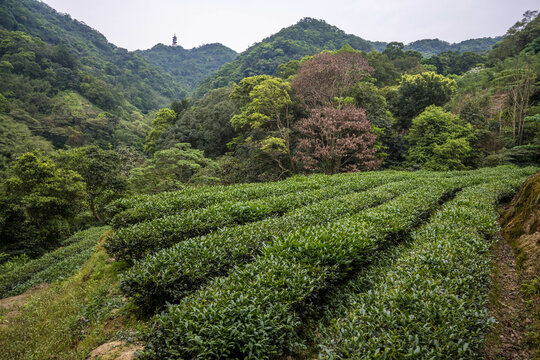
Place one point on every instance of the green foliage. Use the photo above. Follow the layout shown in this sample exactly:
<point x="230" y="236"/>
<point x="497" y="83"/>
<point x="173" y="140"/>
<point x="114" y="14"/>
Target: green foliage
<point x="206" y="125"/>
<point x="41" y="196"/>
<point x="16" y="139"/>
<point x="100" y="170"/>
<point x="55" y="97"/>
<point x="416" y="92"/>
<point x="525" y="155"/>
<point x="265" y="97"/>
<point x="161" y="122"/>
<point x="71" y="317"/>
<point x="368" y="97"/>
<point x="169" y="169"/>
<point x="146" y="207"/>
<point x="126" y="74"/>
<point x="523" y="35"/>
<point x="386" y="73"/>
<point x="171" y="274"/>
<point x="138" y="240"/>
<point x="231" y="316"/>
<point x="454" y="62"/>
<point x="264" y="123"/>
<point x="429" y="47"/>
<point x="56" y="265"/>
<point x="440" y="141"/>
<point x="429" y="301"/>
<point x="501" y="102"/>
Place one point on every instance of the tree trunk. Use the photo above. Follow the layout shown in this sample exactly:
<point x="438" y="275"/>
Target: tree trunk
<point x="94" y="212"/>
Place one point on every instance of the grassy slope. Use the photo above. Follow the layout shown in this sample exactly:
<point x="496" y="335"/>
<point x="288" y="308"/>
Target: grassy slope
<point x="69" y="319"/>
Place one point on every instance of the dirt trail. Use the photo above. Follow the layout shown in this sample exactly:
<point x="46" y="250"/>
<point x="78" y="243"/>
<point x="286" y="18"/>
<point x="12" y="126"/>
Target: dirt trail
<point x="507" y="338"/>
<point x="515" y="293"/>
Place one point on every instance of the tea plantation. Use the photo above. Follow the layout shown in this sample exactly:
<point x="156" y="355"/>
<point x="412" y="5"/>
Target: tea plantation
<point x="376" y="265"/>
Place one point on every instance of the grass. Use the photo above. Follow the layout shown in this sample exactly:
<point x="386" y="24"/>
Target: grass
<point x="71" y="318"/>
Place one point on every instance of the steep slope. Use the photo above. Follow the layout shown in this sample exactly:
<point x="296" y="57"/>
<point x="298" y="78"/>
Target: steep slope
<point x="307" y="37"/>
<point x="63" y="84"/>
<point x="133" y="78"/>
<point x="189" y="67"/>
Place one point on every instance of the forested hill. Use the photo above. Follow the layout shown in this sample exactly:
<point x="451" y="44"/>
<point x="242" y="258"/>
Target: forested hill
<point x="307" y="37"/>
<point x="310" y="36"/>
<point x="430" y="47"/>
<point x="63" y="84"/>
<point x="125" y="74"/>
<point x="189" y="67"/>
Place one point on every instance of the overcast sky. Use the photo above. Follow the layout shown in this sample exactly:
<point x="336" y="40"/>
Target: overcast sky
<point x="140" y="24"/>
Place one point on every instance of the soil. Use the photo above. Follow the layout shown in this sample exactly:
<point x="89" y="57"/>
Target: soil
<point x="117" y="350"/>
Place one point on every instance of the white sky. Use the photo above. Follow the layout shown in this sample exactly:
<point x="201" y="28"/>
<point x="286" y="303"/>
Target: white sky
<point x="140" y="24"/>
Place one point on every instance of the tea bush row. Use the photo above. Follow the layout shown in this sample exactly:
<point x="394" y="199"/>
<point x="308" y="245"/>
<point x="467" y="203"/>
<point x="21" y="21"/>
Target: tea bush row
<point x="144" y="208"/>
<point x="255" y="311"/>
<point x="137" y="241"/>
<point x="168" y="275"/>
<point x="20" y="279"/>
<point x="56" y="272"/>
<point x="431" y="303"/>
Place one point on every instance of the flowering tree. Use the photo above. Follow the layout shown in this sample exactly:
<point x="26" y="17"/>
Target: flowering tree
<point x="330" y="77"/>
<point x="333" y="139"/>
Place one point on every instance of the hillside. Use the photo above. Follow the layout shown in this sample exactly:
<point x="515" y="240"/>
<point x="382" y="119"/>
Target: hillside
<point x="63" y="84"/>
<point x="430" y="47"/>
<point x="307" y="37"/>
<point x="140" y="83"/>
<point x="334" y="279"/>
<point x="189" y="67"/>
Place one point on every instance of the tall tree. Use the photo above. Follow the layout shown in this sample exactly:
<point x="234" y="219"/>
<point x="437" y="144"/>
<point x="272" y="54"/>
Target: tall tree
<point x="161" y="122"/>
<point x="101" y="171"/>
<point x="416" y="92"/>
<point x="333" y="140"/>
<point x="169" y="169"/>
<point x="329" y="78"/>
<point x="48" y="196"/>
<point x="268" y="110"/>
<point x="440" y="141"/>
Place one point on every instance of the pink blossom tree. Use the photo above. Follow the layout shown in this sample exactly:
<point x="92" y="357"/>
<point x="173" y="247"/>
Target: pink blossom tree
<point x="336" y="139"/>
<point x="329" y="77"/>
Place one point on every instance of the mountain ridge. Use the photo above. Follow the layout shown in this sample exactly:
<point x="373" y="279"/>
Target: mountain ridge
<point x="189" y="66"/>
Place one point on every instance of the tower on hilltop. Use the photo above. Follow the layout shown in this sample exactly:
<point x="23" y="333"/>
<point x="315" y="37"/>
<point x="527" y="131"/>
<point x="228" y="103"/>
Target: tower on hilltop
<point x="174" y="40"/>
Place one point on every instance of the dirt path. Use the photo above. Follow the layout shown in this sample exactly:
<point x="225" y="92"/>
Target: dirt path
<point x="507" y="337"/>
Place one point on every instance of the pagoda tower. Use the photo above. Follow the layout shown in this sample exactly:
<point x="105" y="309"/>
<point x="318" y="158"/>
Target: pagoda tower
<point x="174" y="40"/>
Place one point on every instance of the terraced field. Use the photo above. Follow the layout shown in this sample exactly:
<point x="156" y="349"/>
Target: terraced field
<point x="378" y="265"/>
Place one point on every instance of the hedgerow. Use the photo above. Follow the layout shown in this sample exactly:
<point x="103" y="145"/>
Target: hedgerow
<point x="431" y="303"/>
<point x="139" y="240"/>
<point x="255" y="311"/>
<point x="52" y="266"/>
